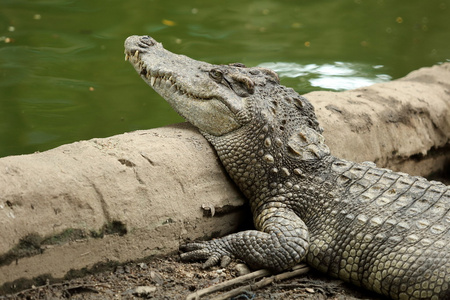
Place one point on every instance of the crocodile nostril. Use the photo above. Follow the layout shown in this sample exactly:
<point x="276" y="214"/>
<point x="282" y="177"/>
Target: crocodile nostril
<point x="147" y="41"/>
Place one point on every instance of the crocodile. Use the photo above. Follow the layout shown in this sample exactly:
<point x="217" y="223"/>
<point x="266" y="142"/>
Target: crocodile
<point x="382" y="230"/>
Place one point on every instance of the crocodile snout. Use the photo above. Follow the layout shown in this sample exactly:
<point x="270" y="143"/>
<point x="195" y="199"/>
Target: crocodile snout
<point x="138" y="43"/>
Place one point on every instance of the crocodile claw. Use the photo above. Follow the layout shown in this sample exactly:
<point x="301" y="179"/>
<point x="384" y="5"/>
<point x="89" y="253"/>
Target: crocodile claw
<point x="210" y="251"/>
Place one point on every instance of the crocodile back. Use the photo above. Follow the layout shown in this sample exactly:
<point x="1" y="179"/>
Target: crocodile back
<point x="384" y="230"/>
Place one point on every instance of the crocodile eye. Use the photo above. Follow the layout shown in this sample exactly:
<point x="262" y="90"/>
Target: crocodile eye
<point x="216" y="75"/>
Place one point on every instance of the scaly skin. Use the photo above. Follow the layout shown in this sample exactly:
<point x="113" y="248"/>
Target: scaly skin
<point x="385" y="231"/>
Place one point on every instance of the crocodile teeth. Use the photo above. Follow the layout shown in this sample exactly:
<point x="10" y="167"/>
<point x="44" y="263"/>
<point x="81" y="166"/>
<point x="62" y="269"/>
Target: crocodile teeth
<point x="173" y="89"/>
<point x="127" y="56"/>
<point x="152" y="81"/>
<point x="136" y="54"/>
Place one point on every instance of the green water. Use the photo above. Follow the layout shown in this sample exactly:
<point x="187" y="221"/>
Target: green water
<point x="63" y="77"/>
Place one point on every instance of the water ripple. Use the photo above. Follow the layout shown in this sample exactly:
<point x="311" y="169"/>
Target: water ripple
<point x="336" y="76"/>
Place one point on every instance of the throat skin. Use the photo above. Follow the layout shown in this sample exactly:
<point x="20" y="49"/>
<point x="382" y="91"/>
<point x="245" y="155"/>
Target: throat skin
<point x="385" y="231"/>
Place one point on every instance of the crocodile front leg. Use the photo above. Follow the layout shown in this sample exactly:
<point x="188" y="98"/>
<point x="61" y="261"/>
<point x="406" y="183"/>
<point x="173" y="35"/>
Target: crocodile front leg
<point x="282" y="243"/>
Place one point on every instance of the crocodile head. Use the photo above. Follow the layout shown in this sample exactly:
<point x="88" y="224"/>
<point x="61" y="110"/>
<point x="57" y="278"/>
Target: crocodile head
<point x="212" y="98"/>
<point x="219" y="99"/>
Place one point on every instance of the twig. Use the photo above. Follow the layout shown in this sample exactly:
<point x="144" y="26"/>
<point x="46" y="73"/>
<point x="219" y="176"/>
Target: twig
<point x="228" y="283"/>
<point x="297" y="270"/>
<point x="64" y="286"/>
<point x="301" y="269"/>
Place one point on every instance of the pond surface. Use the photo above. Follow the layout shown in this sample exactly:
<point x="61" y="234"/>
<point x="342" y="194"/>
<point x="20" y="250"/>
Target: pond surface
<point x="63" y="77"/>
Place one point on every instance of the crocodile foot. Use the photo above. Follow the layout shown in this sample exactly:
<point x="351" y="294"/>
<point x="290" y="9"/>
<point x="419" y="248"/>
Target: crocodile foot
<point x="214" y="252"/>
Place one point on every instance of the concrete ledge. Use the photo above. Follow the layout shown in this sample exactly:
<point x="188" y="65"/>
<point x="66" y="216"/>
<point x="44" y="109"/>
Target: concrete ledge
<point x="115" y="199"/>
<point x="140" y="194"/>
<point x="403" y="125"/>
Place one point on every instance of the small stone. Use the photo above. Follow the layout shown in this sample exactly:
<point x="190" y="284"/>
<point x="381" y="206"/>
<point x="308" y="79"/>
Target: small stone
<point x="141" y="291"/>
<point x="143" y="266"/>
<point x="242" y="269"/>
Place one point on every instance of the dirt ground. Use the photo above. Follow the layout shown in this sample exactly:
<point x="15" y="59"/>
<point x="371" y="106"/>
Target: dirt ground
<point x="168" y="278"/>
